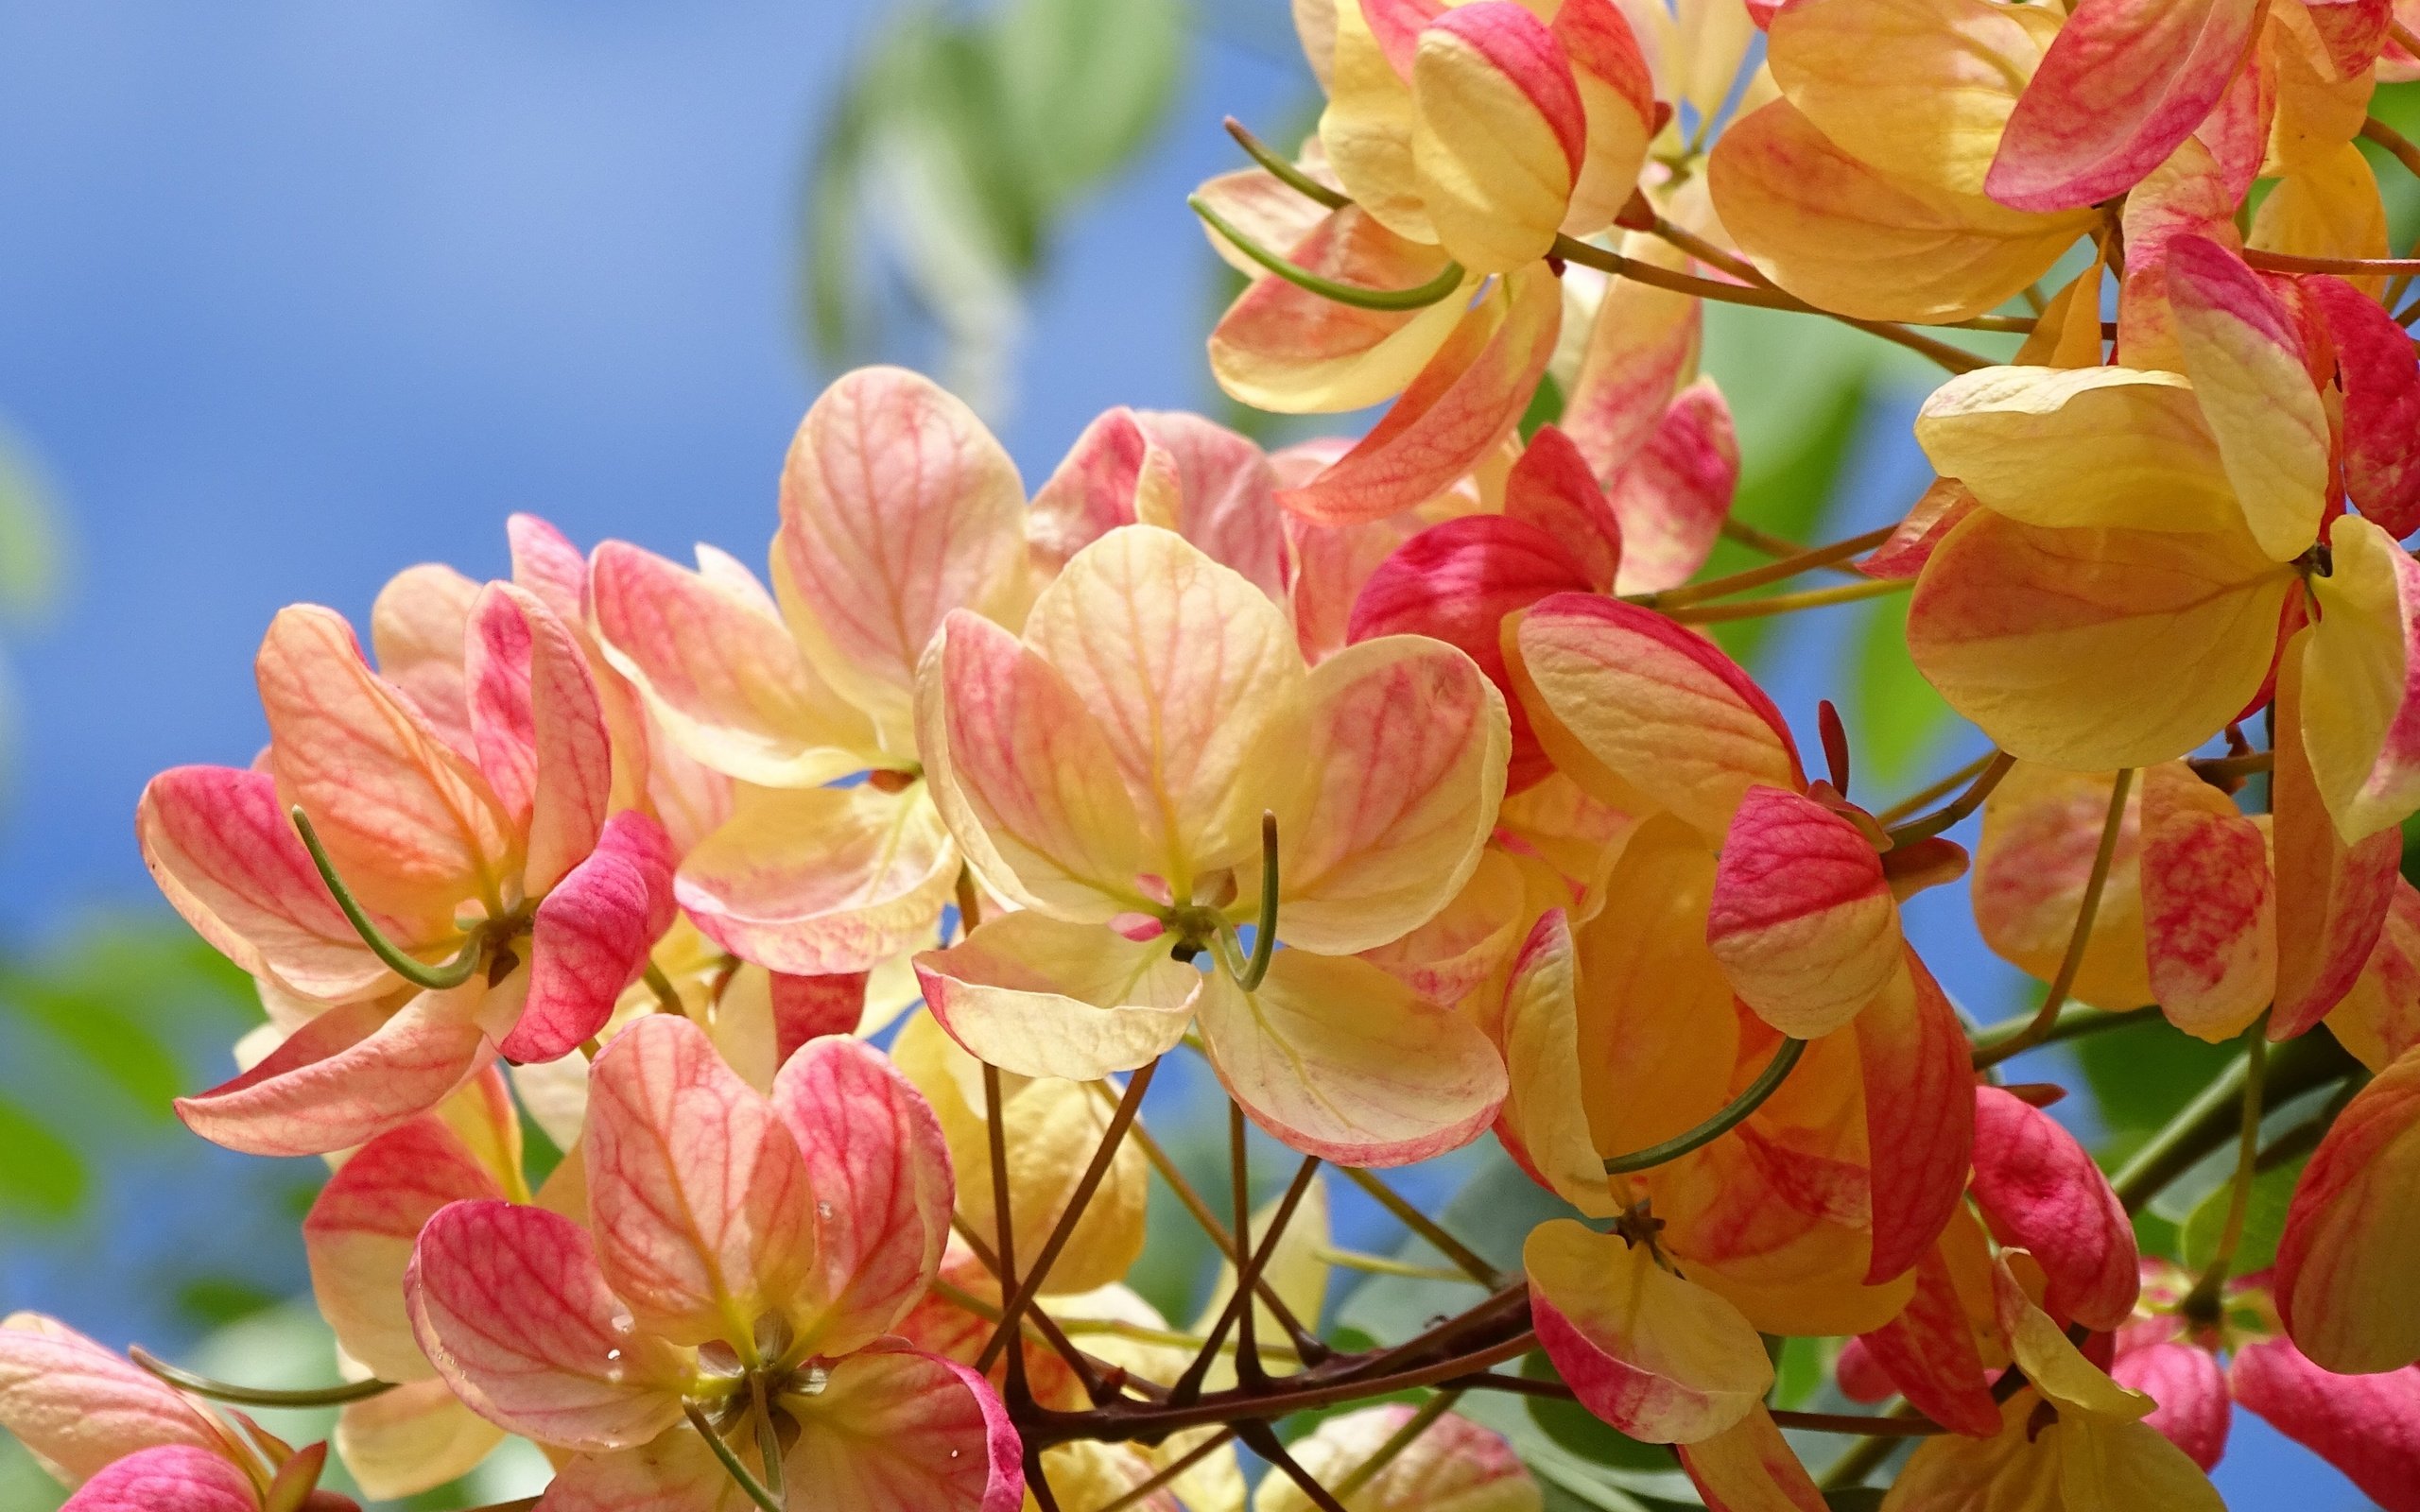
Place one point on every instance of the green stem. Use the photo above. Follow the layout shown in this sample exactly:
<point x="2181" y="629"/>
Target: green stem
<point x="420" y="974"/>
<point x="1286" y="173"/>
<point x="1447" y="279"/>
<point x="1264" y="937"/>
<point x="2213" y="1116"/>
<point x="1995" y="767"/>
<point x="1734" y="1114"/>
<point x="257" y="1395"/>
<point x="2079" y="938"/>
<point x="1804" y="560"/>
<point x="731" y="1465"/>
<point x="769" y="1438"/>
<point x="1757" y="608"/>
<point x="2256" y="1067"/>
<point x="1401" y="1439"/>
<point x="2075" y="1022"/>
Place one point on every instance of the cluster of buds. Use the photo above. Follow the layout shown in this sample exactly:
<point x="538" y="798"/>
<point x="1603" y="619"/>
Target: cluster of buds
<point x="1394" y="778"/>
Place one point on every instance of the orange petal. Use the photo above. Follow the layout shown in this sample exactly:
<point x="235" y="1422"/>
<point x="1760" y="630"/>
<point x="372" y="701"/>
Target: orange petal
<point x="2380" y="1019"/>
<point x="1751" y="1468"/>
<point x="1919" y="1116"/>
<point x="2042" y="831"/>
<point x="1802" y="920"/>
<point x="2343" y="1262"/>
<point x="2209" y="905"/>
<point x="414" y="1438"/>
<point x="2360" y="720"/>
<point x="1642" y="346"/>
<point x="2332" y="897"/>
<point x="1545" y="1119"/>
<point x="1929" y="1351"/>
<point x="346" y="1077"/>
<point x="1618" y="94"/>
<point x="2329" y="207"/>
<point x="417" y="627"/>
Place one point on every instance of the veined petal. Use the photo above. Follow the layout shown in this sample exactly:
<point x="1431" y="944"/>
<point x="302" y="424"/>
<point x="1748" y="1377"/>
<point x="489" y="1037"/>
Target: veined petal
<point x="1936" y="512"/>
<point x="1930" y="1352"/>
<point x="77" y="1408"/>
<point x="591" y="937"/>
<point x="2122" y="83"/>
<point x="696" y="1190"/>
<point x="1407" y="755"/>
<point x="2042" y="831"/>
<point x="1460" y="954"/>
<point x="2112" y="1465"/>
<point x="1454" y="1464"/>
<point x="411" y="827"/>
<point x="1042" y="998"/>
<point x="2042" y="1192"/>
<point x="1025" y="775"/>
<point x="1340" y="1060"/>
<point x="2209" y="905"/>
<point x="2016" y="627"/>
<point x="1842" y="233"/>
<point x="674" y="1472"/>
<point x="539" y="729"/>
<point x="1170" y="469"/>
<point x="2332" y="897"/>
<point x="721" y="672"/>
<point x="2366" y="1426"/>
<point x="1801" y="917"/>
<point x="879" y="1173"/>
<point x="1467" y="400"/>
<point x="1617" y="92"/>
<point x="1283" y="348"/>
<point x="2053" y="1364"/>
<point x="2380" y="1019"/>
<point x="896" y="1431"/>
<point x="1188" y="669"/>
<point x="2360" y="720"/>
<point x="1368" y="125"/>
<point x="2343" y="1262"/>
<point x="414" y="1438"/>
<point x="348" y="1075"/>
<point x="897" y="508"/>
<point x="1750" y="1468"/>
<point x="224" y="853"/>
<point x="1659" y="1358"/>
<point x="1919" y="1115"/>
<point x="1544" y="1122"/>
<point x="1642" y="347"/>
<point x="821" y="882"/>
<point x="1552" y="488"/>
<point x="1675" y="494"/>
<point x="358" y="1237"/>
<point x="2191" y="1390"/>
<point x="513" y="1308"/>
<point x="2246" y="358"/>
<point x="1265" y="208"/>
<point x="1498" y="133"/>
<point x="2381" y="377"/>
<point x="417" y="626"/>
<point x="2082" y="446"/>
<point x="172" y="1475"/>
<point x="1655" y="704"/>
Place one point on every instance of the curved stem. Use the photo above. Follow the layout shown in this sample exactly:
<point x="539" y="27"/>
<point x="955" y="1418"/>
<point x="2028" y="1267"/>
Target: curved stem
<point x="1401" y="1439"/>
<point x="1286" y="173"/>
<point x="769" y="1438"/>
<point x="420" y="974"/>
<point x="1264" y="936"/>
<point x="1734" y="1114"/>
<point x="1447" y="279"/>
<point x="2394" y="142"/>
<point x="2247" y="1164"/>
<point x="667" y="997"/>
<point x="257" y="1395"/>
<point x="1995" y="767"/>
<point x="2079" y="939"/>
<point x="1802" y="560"/>
<point x="2349" y="266"/>
<point x="2075" y="1022"/>
<point x="749" y="1485"/>
<point x="1757" y="608"/>
<point x="1935" y="791"/>
<point x="2210" y="1120"/>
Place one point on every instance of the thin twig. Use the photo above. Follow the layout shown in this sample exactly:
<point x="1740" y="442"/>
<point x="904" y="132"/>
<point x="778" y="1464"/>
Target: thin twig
<point x="1168" y="1473"/>
<point x="1467" y="1260"/>
<point x="257" y="1395"/>
<point x="1189" y="1386"/>
<point x="1805" y="561"/>
<point x="2079" y="939"/>
<point x="1993" y="768"/>
<point x="1757" y="608"/>
<point x="1004" y="1221"/>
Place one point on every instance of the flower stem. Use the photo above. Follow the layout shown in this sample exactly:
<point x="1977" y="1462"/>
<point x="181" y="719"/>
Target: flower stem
<point x="1733" y="1114"/>
<point x="1420" y="297"/>
<point x="749" y="1485"/>
<point x="1286" y="173"/>
<point x="2079" y="938"/>
<point x="1757" y="608"/>
<point x="1986" y="777"/>
<point x="2247" y="1161"/>
<point x="418" y="973"/>
<point x="1264" y="939"/>
<point x="256" y="1396"/>
<point x="1468" y="1260"/>
<point x="1802" y="560"/>
<point x="1189" y="1386"/>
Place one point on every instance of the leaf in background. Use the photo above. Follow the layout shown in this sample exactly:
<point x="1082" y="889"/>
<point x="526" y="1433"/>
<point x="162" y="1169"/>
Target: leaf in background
<point x="40" y="1175"/>
<point x="2142" y="1074"/>
<point x="2398" y="106"/>
<point x="1897" y="719"/>
<point x="2264" y="1220"/>
<point x="1085" y="83"/>
<point x="1791" y="493"/>
<point x="32" y="550"/>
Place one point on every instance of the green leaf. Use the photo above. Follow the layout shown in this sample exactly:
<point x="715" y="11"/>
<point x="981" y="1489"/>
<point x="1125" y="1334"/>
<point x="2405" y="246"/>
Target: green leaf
<point x="1086" y="83"/>
<point x="1798" y="1372"/>
<point x="40" y="1175"/>
<point x="2264" y="1220"/>
<point x="215" y="1301"/>
<point x="2142" y="1074"/>
<point x="1545" y="406"/>
<point x="1791" y="497"/>
<point x="31" y="549"/>
<point x="1897" y="722"/>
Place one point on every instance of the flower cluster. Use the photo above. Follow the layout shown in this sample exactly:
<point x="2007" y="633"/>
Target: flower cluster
<point x="1395" y="779"/>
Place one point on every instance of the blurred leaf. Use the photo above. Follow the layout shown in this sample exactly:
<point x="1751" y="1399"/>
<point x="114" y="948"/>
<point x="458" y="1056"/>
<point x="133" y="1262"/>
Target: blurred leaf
<point x="1085" y="83"/>
<point x="1545" y="406"/>
<point x="26" y="1486"/>
<point x="40" y="1175"/>
<point x="32" y="550"/>
<point x="1799" y="1372"/>
<point x="1898" y="720"/>
<point x="1792" y="495"/>
<point x="2264" y="1220"/>
<point x="2142" y="1074"/>
<point x="215" y="1301"/>
<point x="1857" y="1498"/>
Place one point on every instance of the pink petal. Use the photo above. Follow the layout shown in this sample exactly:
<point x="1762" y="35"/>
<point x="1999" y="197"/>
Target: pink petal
<point x="1677" y="492"/>
<point x="1455" y="582"/>
<point x="2344" y="1279"/>
<point x="80" y="1408"/>
<point x="1927" y="1353"/>
<point x="1094" y="490"/>
<point x="2209" y="904"/>
<point x="1552" y="488"/>
<point x="1617" y="89"/>
<point x="173" y="1476"/>
<point x="546" y="563"/>
<point x="511" y="1308"/>
<point x="220" y="846"/>
<point x="540" y="729"/>
<point x="1463" y="402"/>
<point x="417" y="626"/>
<point x="592" y="936"/>
<point x="1802" y="919"/>
<point x="2381" y="377"/>
<point x="1919" y="1116"/>
<point x="2040" y="1192"/>
<point x="348" y="1075"/>
<point x="821" y="880"/>
<point x="2332" y="898"/>
<point x="359" y="1233"/>
<point x="674" y="1472"/>
<point x="410" y="826"/>
<point x="897" y="508"/>
<point x="809" y="1007"/>
<point x="1226" y="496"/>
<point x="2191" y="1391"/>
<point x="2366" y="1426"/>
<point x="697" y="1192"/>
<point x="1934" y="515"/>
<point x="879" y="1169"/>
<point x="899" y="1431"/>
<point x="2123" y="84"/>
<point x="2380" y="1019"/>
<point x="1641" y="349"/>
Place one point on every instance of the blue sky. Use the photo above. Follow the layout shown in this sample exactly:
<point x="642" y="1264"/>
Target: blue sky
<point x="295" y="294"/>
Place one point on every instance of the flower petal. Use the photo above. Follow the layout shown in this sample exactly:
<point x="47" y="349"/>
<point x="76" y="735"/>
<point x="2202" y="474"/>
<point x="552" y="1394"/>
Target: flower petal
<point x="1465" y="401"/>
<point x="1498" y="133"/>
<point x="1340" y="1060"/>
<point x="896" y="1431"/>
<point x="2332" y="897"/>
<point x="1042" y="998"/>
<point x="2327" y="206"/>
<point x="2123" y="84"/>
<point x="1552" y="488"/>
<point x="819" y="882"/>
<point x="2209" y="905"/>
<point x="1617" y="91"/>
<point x="1750" y="1468"/>
<point x="674" y="1472"/>
<point x="414" y="1438"/>
<point x="1801" y="917"/>
<point x="513" y="1308"/>
<point x="348" y="1075"/>
<point x="220" y="843"/>
<point x="721" y="672"/>
<point x="2366" y="1426"/>
<point x="1654" y="705"/>
<point x="1454" y="1464"/>
<point x="2042" y="1192"/>
<point x="2042" y="831"/>
<point x="2017" y="625"/>
<point x="2343" y="1261"/>
<point x="2053" y="1364"/>
<point x="2381" y="377"/>
<point x="897" y="508"/>
<point x="592" y="936"/>
<point x="539" y="729"/>
<point x="78" y="1408"/>
<point x="1659" y="1358"/>
<point x="2360" y="720"/>
<point x="417" y="626"/>
<point x="174" y="1475"/>
<point x="359" y="1233"/>
<point x="1676" y="494"/>
<point x="1544" y="1122"/>
<point x="697" y="1191"/>
<point x="1929" y="1351"/>
<point x="1642" y="347"/>
<point x="2380" y="1019"/>
<point x="880" y="1173"/>
<point x="1919" y="1117"/>
<point x="2191" y="1391"/>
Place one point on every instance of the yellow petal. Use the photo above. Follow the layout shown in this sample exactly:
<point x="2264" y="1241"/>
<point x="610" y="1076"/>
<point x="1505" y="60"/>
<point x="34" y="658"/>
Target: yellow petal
<point x="1367" y="129"/>
<point x="2244" y="352"/>
<point x="1497" y="134"/>
<point x="2361" y="726"/>
<point x="2327" y="208"/>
